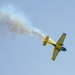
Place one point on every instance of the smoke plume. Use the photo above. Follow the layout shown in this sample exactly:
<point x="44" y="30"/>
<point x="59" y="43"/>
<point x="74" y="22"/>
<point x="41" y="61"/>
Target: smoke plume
<point x="13" y="21"/>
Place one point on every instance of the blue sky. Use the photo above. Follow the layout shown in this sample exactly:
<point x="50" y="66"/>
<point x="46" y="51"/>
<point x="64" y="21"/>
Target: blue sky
<point x="25" y="55"/>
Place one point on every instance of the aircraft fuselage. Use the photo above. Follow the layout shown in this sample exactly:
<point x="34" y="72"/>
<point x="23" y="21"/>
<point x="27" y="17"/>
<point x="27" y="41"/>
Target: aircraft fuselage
<point x="59" y="47"/>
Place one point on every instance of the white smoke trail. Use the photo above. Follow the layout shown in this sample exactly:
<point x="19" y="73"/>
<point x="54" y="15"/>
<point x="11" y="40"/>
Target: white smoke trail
<point x="13" y="21"/>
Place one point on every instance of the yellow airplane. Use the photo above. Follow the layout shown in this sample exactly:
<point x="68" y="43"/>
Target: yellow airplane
<point x="58" y="46"/>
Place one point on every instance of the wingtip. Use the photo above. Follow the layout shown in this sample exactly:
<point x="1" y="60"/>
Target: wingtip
<point x="53" y="59"/>
<point x="64" y="33"/>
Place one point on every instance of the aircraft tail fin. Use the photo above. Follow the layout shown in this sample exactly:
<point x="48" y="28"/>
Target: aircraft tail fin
<point x="46" y="41"/>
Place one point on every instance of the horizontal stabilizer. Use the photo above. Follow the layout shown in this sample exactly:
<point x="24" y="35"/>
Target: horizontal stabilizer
<point x="46" y="40"/>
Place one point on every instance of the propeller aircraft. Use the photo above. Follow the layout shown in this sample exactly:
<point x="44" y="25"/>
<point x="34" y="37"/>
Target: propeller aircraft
<point x="58" y="46"/>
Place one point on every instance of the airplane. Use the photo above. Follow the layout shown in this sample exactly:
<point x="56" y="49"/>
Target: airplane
<point x="58" y="46"/>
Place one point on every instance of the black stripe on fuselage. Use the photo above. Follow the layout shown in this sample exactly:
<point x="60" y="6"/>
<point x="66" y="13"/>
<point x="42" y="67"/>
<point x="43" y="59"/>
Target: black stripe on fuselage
<point x="54" y="44"/>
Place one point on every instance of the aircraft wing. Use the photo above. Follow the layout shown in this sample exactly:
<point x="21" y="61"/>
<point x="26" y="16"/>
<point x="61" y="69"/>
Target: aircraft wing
<point x="61" y="39"/>
<point x="55" y="53"/>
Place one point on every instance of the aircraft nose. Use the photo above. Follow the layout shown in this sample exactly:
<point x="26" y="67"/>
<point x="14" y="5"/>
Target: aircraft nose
<point x="64" y="49"/>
